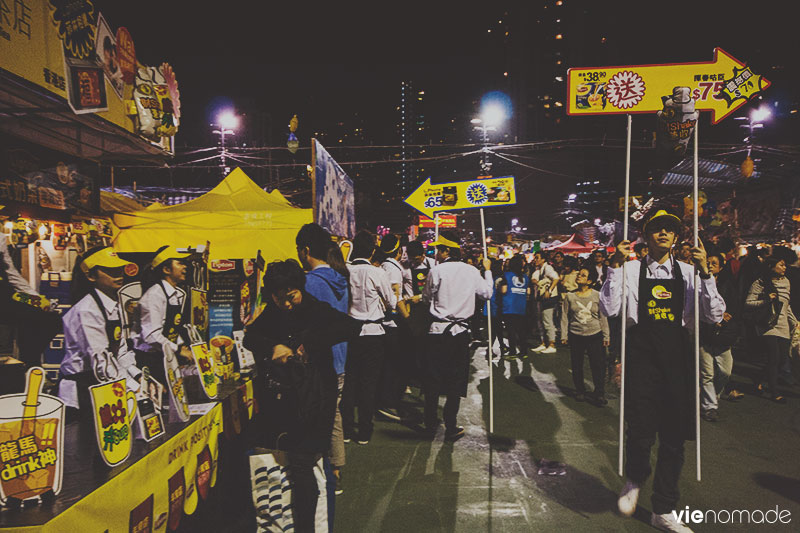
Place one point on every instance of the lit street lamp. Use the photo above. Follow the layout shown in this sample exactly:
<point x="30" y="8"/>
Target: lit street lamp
<point x="227" y="122"/>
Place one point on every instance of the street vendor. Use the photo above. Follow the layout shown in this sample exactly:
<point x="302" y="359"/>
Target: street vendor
<point x="162" y="315"/>
<point x="94" y="347"/>
<point x="659" y="384"/>
<point x="25" y="308"/>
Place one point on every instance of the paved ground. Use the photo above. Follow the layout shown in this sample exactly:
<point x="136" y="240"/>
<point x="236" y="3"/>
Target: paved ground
<point x="405" y="483"/>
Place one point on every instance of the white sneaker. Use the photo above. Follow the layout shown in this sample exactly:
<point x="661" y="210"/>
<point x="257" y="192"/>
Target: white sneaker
<point x="549" y="349"/>
<point x="541" y="348"/>
<point x="628" y="498"/>
<point x="668" y="522"/>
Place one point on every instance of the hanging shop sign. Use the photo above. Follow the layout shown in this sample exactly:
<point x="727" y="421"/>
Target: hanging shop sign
<point x="31" y="442"/>
<point x="445" y="221"/>
<point x="721" y="86"/>
<point x="152" y="102"/>
<point x="488" y="192"/>
<point x="107" y="50"/>
<point x="126" y="55"/>
<point x="61" y="188"/>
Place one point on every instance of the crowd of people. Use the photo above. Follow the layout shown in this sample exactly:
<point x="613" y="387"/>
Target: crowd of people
<point x="413" y="318"/>
<point x="341" y="342"/>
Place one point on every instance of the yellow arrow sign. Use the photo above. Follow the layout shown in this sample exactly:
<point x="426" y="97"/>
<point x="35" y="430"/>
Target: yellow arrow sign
<point x="486" y="192"/>
<point x="721" y="86"/>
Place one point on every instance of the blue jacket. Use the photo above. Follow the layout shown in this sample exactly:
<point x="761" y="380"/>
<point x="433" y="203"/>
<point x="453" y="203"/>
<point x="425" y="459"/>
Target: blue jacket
<point x="327" y="285"/>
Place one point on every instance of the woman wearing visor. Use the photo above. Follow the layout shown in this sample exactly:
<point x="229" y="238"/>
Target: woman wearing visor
<point x="94" y="349"/>
<point x="161" y="308"/>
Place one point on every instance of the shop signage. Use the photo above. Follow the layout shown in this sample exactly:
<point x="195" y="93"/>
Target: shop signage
<point x="445" y="221"/>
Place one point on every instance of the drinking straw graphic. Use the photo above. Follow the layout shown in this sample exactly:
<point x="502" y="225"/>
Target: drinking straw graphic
<point x="32" y="390"/>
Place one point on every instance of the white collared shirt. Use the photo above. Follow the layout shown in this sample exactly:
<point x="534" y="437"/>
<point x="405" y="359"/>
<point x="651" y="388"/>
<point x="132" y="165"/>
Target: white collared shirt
<point x="84" y="336"/>
<point x="397" y="276"/>
<point x="451" y="289"/>
<point x="712" y="306"/>
<point x="371" y="294"/>
<point x="153" y="306"/>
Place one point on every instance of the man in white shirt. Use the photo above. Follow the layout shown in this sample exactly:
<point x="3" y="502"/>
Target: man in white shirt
<point x="395" y="373"/>
<point x="659" y="363"/>
<point x="371" y="296"/>
<point x="544" y="278"/>
<point x="162" y="314"/>
<point x="450" y="290"/>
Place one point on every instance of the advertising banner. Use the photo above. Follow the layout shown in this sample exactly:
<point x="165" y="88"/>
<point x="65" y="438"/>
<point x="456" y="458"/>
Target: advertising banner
<point x="445" y="221"/>
<point x="157" y="490"/>
<point x="720" y="86"/>
<point x="483" y="192"/>
<point x="334" y="199"/>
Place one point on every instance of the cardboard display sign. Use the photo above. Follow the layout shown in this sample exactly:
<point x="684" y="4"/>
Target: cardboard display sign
<point x="129" y="296"/>
<point x="179" y="406"/>
<point x="206" y="368"/>
<point x="199" y="316"/>
<point x="113" y="410"/>
<point x="31" y="442"/>
<point x="246" y="359"/>
<point x="151" y="424"/>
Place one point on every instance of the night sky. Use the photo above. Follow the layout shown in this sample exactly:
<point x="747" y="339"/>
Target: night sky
<point x="326" y="62"/>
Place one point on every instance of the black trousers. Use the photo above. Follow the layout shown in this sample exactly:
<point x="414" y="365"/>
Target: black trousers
<point x="497" y="333"/>
<point x="394" y="374"/>
<point x="447" y="372"/>
<point x="515" y="332"/>
<point x="776" y="348"/>
<point x="35" y="329"/>
<point x="362" y="372"/>
<point x="591" y="345"/>
<point x="305" y="491"/>
<point x="658" y="403"/>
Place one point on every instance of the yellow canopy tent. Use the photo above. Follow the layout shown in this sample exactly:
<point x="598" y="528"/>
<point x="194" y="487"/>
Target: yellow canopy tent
<point x="237" y="216"/>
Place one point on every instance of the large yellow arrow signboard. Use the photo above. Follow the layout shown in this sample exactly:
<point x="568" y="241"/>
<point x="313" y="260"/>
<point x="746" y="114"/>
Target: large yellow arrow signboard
<point x="721" y="86"/>
<point x="483" y="192"/>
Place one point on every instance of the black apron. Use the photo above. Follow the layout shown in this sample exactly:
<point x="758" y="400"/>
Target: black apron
<point x="172" y="329"/>
<point x="85" y="379"/>
<point x="173" y="320"/>
<point x="659" y="358"/>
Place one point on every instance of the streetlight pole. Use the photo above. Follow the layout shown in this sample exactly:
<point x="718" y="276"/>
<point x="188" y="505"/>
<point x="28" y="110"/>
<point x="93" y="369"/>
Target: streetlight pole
<point x="227" y="122"/>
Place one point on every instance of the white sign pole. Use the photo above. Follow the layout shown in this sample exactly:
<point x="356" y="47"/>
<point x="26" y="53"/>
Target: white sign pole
<point x="696" y="303"/>
<point x="489" y="352"/>
<point x="624" y="311"/>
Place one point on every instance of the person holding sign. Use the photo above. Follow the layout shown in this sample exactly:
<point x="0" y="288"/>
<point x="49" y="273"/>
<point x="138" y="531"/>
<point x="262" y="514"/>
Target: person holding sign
<point x="659" y="360"/>
<point x="450" y="290"/>
<point x="93" y="344"/>
<point x="162" y="313"/>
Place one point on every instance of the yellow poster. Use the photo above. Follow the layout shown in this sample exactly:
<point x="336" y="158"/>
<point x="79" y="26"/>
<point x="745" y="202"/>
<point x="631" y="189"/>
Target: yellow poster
<point x="483" y="192"/>
<point x="154" y="493"/>
<point x="721" y="86"/>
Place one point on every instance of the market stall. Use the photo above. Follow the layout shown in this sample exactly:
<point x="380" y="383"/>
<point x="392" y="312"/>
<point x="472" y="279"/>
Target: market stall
<point x="237" y="216"/>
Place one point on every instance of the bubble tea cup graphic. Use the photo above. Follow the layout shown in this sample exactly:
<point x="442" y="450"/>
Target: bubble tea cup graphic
<point x="113" y="410"/>
<point x="31" y="442"/>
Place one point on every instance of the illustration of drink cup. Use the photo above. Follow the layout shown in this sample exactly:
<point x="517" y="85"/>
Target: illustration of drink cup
<point x="31" y="441"/>
<point x="113" y="408"/>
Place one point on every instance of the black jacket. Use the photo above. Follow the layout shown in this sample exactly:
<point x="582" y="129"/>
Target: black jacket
<point x="298" y="399"/>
